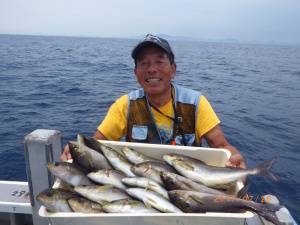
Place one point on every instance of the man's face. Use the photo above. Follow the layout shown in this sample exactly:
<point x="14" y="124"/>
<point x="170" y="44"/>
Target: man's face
<point x="154" y="71"/>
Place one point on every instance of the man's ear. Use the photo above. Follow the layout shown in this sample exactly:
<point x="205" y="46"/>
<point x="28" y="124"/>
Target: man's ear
<point x="173" y="70"/>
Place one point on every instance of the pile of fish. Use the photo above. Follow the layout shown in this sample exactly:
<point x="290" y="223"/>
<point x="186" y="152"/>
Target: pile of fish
<point x="102" y="180"/>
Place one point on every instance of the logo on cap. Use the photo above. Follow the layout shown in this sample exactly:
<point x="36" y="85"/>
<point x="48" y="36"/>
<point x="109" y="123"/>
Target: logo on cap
<point x="150" y="37"/>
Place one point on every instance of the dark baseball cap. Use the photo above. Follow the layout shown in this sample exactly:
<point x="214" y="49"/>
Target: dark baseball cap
<point x="156" y="41"/>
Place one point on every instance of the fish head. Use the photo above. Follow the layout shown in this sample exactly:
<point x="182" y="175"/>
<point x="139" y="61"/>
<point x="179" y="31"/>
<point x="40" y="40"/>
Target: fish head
<point x="169" y="158"/>
<point x="169" y="180"/>
<point x="92" y="174"/>
<point x="44" y="194"/>
<point x="109" y="152"/>
<point x="182" y="200"/>
<point x="177" y="196"/>
<point x="46" y="197"/>
<point x="126" y="150"/>
<point x="50" y="166"/>
<point x="55" y="168"/>
<point x="61" y="169"/>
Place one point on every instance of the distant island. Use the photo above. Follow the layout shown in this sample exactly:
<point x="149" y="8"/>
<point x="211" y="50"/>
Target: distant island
<point x="185" y="38"/>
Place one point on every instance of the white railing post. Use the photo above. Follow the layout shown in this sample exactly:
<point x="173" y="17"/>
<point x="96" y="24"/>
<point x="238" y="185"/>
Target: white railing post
<point x="41" y="146"/>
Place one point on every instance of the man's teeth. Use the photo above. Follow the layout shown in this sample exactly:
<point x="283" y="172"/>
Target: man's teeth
<point x="152" y="79"/>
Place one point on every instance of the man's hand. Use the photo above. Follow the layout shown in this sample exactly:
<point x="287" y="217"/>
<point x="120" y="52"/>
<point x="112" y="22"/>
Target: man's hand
<point x="66" y="155"/>
<point x="236" y="160"/>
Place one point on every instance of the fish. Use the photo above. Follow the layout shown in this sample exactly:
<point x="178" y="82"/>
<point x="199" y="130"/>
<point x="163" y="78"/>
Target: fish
<point x="151" y="198"/>
<point x="83" y="205"/>
<point x="69" y="173"/>
<point x="174" y="181"/>
<point x="128" y="206"/>
<point x="200" y="202"/>
<point x="80" y="139"/>
<point x="144" y="170"/>
<point x="89" y="142"/>
<point x="152" y="170"/>
<point x="112" y="177"/>
<point x="213" y="176"/>
<point x="89" y="159"/>
<point x="55" y="200"/>
<point x="146" y="183"/>
<point x="158" y="165"/>
<point x="135" y="157"/>
<point x="117" y="160"/>
<point x="101" y="194"/>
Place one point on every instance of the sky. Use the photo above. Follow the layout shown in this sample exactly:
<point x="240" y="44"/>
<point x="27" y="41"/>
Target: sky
<point x="244" y="20"/>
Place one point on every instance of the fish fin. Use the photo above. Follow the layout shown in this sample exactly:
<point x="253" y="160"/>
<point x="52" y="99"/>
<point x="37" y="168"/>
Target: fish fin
<point x="264" y="169"/>
<point x="243" y="191"/>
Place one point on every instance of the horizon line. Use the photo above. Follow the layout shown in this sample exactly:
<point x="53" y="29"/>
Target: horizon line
<point x="231" y="40"/>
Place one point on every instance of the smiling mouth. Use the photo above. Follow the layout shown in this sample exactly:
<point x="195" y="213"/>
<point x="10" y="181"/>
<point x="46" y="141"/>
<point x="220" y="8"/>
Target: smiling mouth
<point x="153" y="80"/>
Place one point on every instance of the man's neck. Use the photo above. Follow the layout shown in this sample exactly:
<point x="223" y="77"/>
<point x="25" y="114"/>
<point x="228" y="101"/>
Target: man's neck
<point x="160" y="100"/>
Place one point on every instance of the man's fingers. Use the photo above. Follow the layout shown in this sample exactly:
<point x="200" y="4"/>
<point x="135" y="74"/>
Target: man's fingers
<point x="230" y="164"/>
<point x="236" y="160"/>
<point x="63" y="157"/>
<point x="66" y="155"/>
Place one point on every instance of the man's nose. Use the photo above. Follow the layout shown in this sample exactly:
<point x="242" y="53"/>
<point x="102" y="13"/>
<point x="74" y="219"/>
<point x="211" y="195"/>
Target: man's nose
<point x="152" y="68"/>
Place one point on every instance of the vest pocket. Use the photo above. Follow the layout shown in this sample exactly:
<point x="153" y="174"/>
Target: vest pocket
<point x="139" y="132"/>
<point x="189" y="139"/>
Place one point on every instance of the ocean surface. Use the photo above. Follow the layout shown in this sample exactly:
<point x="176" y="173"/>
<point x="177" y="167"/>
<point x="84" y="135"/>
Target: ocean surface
<point x="69" y="83"/>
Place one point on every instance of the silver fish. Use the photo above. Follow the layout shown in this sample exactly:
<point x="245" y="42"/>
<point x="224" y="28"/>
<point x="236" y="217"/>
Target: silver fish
<point x="88" y="158"/>
<point x="101" y="194"/>
<point x="146" y="183"/>
<point x="69" y="173"/>
<point x="195" y="202"/>
<point x="127" y="206"/>
<point x="154" y="199"/>
<point x="112" y="177"/>
<point x="135" y="157"/>
<point x="55" y="200"/>
<point x="174" y="181"/>
<point x="89" y="142"/>
<point x="213" y="176"/>
<point x="117" y="160"/>
<point x="158" y="165"/>
<point x="83" y="205"/>
<point x="144" y="170"/>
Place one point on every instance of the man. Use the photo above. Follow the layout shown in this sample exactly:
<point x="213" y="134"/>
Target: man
<point x="162" y="112"/>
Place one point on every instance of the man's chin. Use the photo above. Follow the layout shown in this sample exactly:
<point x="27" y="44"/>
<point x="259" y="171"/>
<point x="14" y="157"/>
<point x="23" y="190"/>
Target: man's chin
<point x="153" y="90"/>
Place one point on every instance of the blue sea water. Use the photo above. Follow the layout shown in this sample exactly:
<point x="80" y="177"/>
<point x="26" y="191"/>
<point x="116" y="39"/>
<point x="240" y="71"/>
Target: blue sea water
<point x="68" y="84"/>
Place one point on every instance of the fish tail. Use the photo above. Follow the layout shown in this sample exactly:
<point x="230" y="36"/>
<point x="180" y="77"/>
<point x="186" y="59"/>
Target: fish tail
<point x="269" y="213"/>
<point x="243" y="191"/>
<point x="264" y="169"/>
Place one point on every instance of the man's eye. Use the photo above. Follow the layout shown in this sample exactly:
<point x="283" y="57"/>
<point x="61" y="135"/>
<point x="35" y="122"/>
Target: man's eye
<point x="142" y="63"/>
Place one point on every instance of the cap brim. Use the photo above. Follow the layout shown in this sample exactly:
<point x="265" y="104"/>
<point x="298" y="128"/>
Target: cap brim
<point x="142" y="45"/>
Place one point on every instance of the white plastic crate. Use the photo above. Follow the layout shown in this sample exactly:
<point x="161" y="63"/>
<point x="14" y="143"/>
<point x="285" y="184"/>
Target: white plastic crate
<point x="211" y="156"/>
